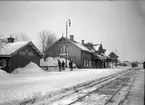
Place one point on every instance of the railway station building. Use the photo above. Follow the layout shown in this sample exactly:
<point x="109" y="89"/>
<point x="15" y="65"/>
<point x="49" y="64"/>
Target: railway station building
<point x="84" y="55"/>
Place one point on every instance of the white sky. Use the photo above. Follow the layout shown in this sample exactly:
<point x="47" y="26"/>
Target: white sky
<point x="117" y="24"/>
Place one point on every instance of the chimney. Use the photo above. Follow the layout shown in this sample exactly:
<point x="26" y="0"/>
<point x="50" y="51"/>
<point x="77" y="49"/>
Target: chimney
<point x="82" y="42"/>
<point x="10" y="39"/>
<point x="72" y="37"/>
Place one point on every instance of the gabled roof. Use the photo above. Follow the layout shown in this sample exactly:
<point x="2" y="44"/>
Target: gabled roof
<point x="77" y="44"/>
<point x="82" y="47"/>
<point x="112" y="54"/>
<point x="11" y="48"/>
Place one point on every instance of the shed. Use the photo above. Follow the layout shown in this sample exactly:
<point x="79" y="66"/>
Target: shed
<point x="18" y="54"/>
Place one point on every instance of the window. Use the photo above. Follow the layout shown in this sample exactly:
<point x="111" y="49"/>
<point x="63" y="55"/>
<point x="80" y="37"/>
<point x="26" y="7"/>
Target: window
<point x="73" y="58"/>
<point x="87" y="63"/>
<point x="84" y="63"/>
<point x="64" y="49"/>
<point x="22" y="53"/>
<point x="61" y="49"/>
<point x="90" y="63"/>
<point x="30" y="54"/>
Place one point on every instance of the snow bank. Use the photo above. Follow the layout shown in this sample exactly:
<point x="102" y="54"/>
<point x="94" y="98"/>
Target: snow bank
<point x="3" y="73"/>
<point x="28" y="69"/>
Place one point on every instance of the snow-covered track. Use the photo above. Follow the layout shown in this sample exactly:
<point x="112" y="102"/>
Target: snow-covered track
<point x="56" y="96"/>
<point x="127" y="76"/>
<point x="121" y="81"/>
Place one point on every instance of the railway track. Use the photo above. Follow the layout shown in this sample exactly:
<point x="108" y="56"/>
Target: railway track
<point x="91" y="87"/>
<point x="111" y="88"/>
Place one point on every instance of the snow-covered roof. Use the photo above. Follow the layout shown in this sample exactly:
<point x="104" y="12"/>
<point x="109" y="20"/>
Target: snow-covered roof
<point x="11" y="48"/>
<point x="105" y="55"/>
<point x="93" y="51"/>
<point x="113" y="54"/>
<point x="97" y="47"/>
<point x="81" y="46"/>
<point x="100" y="56"/>
<point x="78" y="44"/>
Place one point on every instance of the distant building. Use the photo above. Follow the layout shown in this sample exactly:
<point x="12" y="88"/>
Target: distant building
<point x="84" y="55"/>
<point x="114" y="58"/>
<point x="18" y="54"/>
<point x="127" y="63"/>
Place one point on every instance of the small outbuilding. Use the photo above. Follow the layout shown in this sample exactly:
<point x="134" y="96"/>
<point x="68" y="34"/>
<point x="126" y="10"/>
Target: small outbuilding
<point x="18" y="54"/>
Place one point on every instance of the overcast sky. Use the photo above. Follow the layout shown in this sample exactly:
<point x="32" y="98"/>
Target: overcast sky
<point x="117" y="24"/>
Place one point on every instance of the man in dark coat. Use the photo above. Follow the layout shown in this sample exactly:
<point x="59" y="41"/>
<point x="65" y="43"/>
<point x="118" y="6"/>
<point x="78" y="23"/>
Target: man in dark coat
<point x="59" y="65"/>
<point x="71" y="65"/>
<point x="63" y="64"/>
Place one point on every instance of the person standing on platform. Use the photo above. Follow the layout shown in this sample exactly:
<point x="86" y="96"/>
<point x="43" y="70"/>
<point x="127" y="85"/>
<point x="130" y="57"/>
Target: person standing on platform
<point x="71" y="65"/>
<point x="59" y="65"/>
<point x="63" y="64"/>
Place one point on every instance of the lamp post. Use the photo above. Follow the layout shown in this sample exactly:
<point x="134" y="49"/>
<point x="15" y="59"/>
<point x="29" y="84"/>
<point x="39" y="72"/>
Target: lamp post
<point x="68" y="23"/>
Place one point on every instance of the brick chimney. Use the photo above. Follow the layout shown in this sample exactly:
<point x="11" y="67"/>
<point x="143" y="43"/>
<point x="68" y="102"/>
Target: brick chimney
<point x="82" y="42"/>
<point x="10" y="39"/>
<point x="72" y="37"/>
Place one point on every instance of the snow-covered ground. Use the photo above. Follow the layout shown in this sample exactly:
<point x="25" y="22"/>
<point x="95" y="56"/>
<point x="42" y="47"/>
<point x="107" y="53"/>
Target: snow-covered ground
<point x="21" y="85"/>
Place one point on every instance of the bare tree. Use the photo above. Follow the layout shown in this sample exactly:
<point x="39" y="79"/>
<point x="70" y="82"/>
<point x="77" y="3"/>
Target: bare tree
<point x="21" y="37"/>
<point x="50" y="40"/>
<point x="46" y="40"/>
<point x="3" y="41"/>
<point x="43" y="40"/>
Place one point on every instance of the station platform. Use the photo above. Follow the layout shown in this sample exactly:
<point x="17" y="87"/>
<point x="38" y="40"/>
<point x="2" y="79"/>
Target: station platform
<point x="136" y="93"/>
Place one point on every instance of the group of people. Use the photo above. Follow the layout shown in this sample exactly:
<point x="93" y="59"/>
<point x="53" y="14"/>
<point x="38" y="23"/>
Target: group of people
<point x="61" y="65"/>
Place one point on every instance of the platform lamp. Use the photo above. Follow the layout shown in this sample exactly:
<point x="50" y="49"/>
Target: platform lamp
<point x="68" y="24"/>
